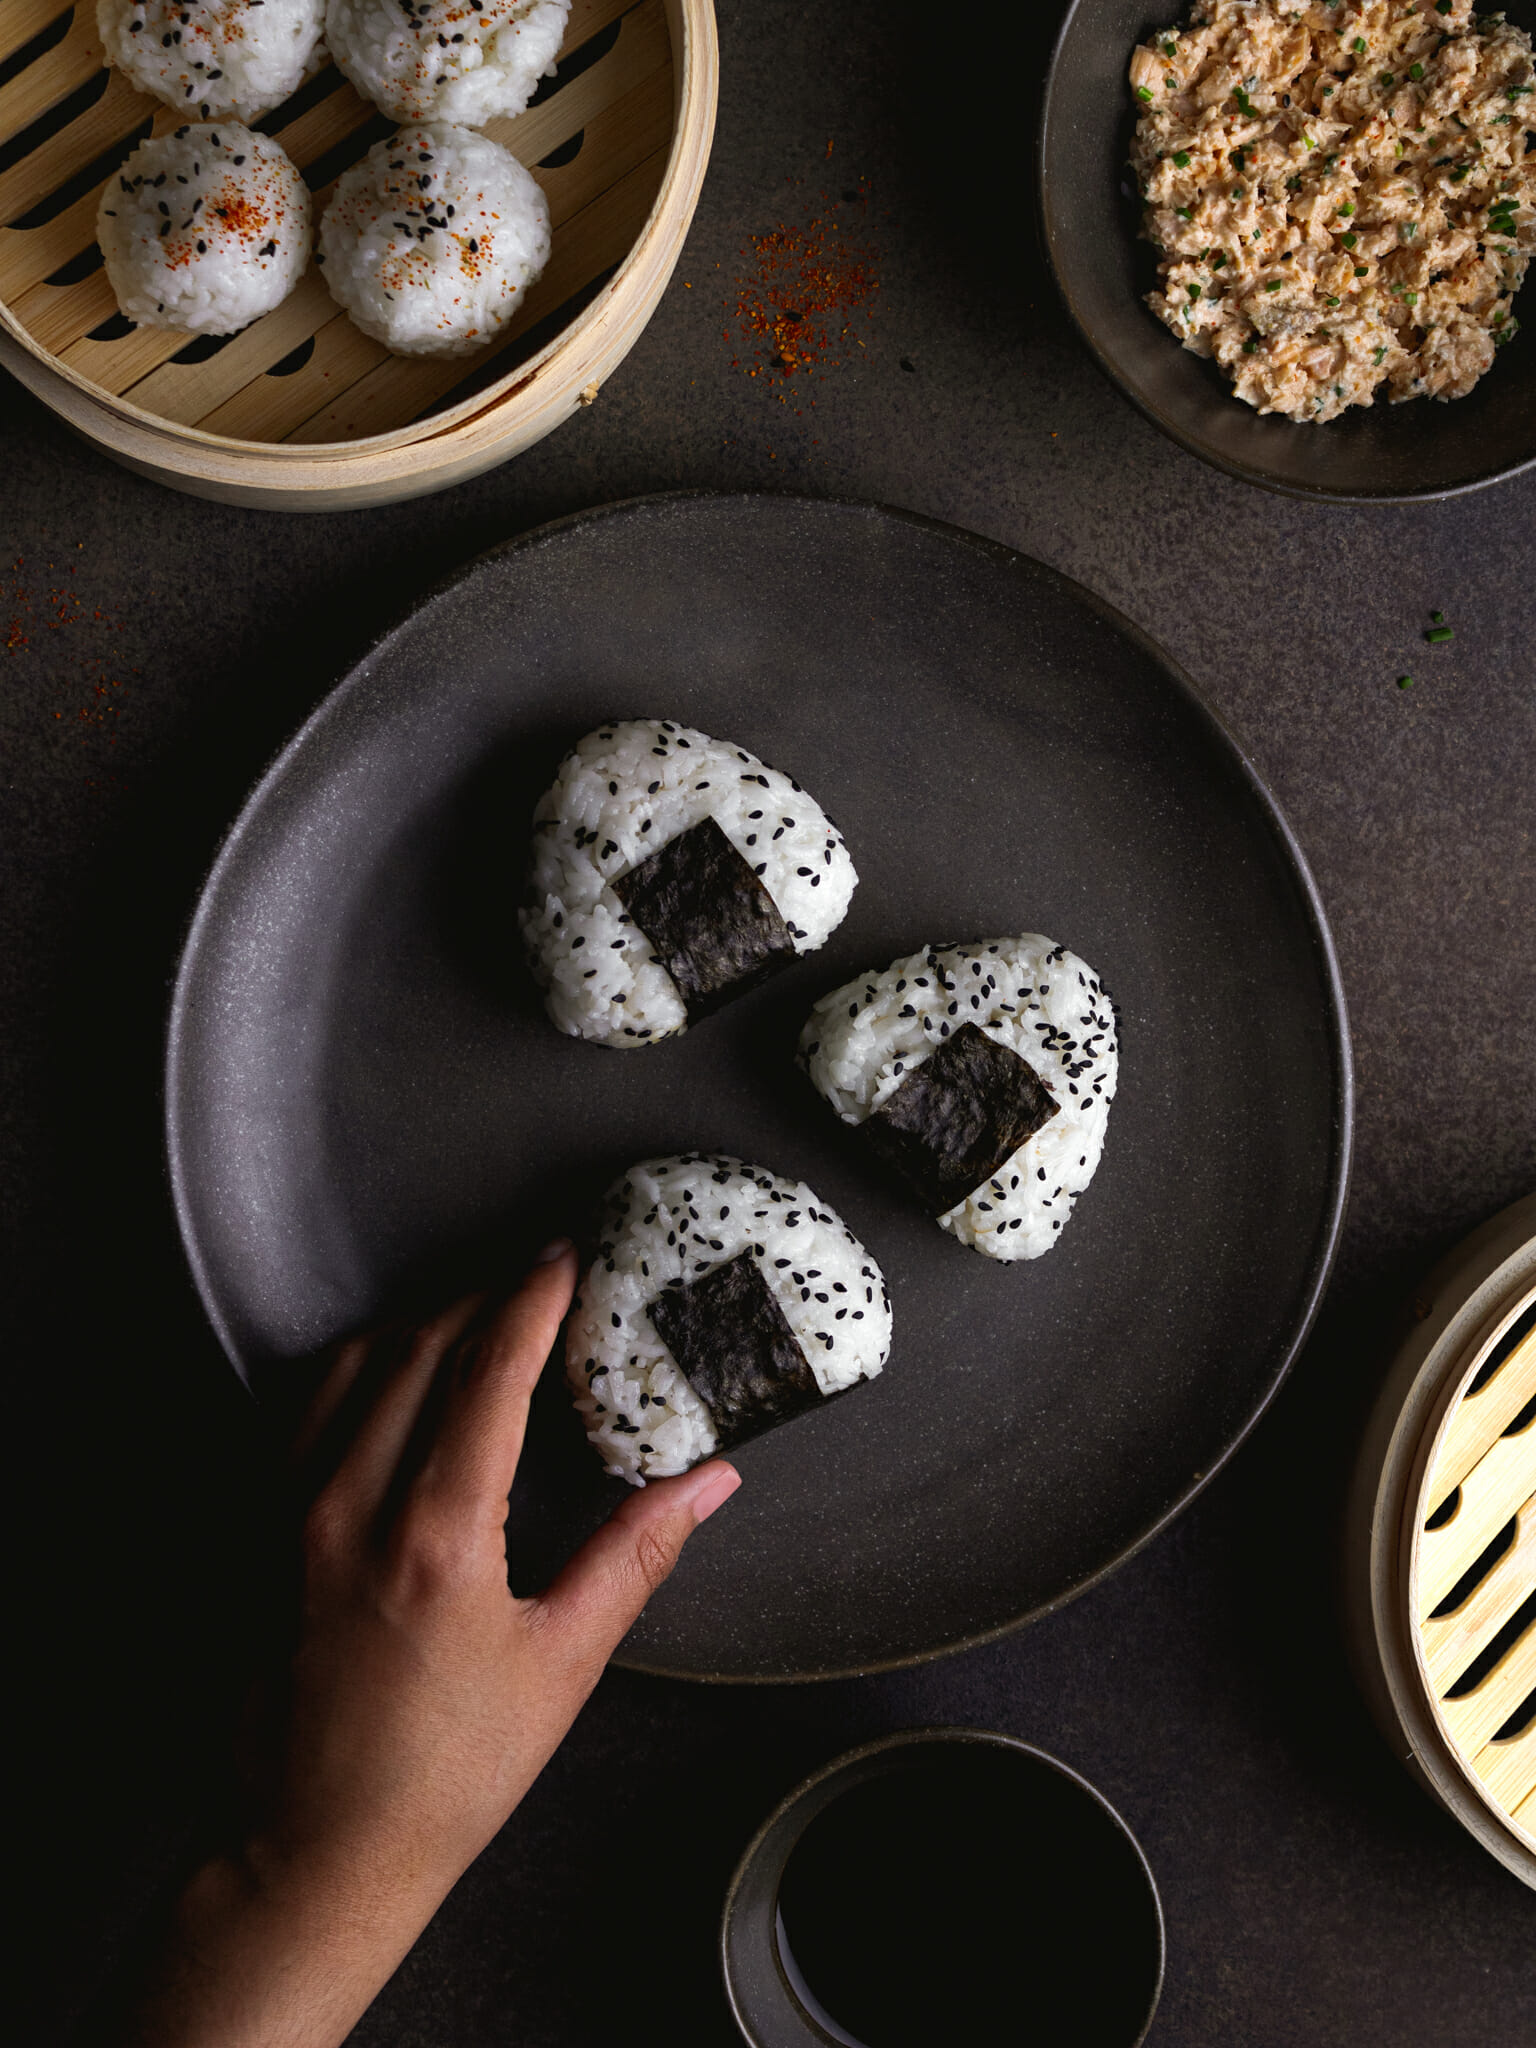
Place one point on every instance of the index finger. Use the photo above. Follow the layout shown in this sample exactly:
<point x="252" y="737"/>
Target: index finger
<point x="472" y="1460"/>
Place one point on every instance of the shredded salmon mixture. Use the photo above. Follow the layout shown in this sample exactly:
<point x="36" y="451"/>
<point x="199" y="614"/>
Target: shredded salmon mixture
<point x="1341" y="194"/>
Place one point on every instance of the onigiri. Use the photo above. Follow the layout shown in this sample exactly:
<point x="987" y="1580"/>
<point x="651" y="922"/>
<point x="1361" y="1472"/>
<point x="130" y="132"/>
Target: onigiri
<point x="431" y="242"/>
<point x="981" y="1076"/>
<point x="446" y="60"/>
<point x="204" y="230"/>
<point x="724" y="1301"/>
<point x="224" y="59"/>
<point x="671" y="872"/>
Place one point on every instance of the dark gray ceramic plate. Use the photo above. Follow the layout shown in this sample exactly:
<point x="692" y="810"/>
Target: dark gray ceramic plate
<point x="1420" y="450"/>
<point x="362" y="1090"/>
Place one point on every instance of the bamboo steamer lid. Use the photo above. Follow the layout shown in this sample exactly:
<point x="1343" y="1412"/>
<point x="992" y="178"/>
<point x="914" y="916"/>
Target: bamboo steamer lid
<point x="1441" y="1541"/>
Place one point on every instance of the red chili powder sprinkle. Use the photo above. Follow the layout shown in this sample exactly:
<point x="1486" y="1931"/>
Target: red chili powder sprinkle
<point x="240" y="213"/>
<point x="30" y="614"/>
<point x="808" y="283"/>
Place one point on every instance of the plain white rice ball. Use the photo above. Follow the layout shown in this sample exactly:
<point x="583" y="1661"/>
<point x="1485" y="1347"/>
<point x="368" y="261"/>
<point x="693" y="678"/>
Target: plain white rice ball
<point x="1027" y="994"/>
<point x="446" y="60"/>
<point x="672" y="1222"/>
<point x="626" y="791"/>
<point x="204" y="230"/>
<point x="214" y="58"/>
<point x="431" y="242"/>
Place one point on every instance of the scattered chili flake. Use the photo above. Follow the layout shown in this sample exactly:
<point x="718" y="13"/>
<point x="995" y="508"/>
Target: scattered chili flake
<point x="30" y="613"/>
<point x="797" y="301"/>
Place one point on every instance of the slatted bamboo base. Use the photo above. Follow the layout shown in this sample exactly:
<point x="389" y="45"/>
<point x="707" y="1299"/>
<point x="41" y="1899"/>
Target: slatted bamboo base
<point x="1481" y="1491"/>
<point x="618" y="142"/>
<point x="1443" y="1541"/>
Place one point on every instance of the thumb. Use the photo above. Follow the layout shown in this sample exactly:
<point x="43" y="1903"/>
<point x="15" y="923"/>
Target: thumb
<point x="598" y="1597"/>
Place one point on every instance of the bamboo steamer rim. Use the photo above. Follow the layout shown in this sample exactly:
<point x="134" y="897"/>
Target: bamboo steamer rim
<point x="1476" y="1294"/>
<point x="508" y="415"/>
<point x="310" y="487"/>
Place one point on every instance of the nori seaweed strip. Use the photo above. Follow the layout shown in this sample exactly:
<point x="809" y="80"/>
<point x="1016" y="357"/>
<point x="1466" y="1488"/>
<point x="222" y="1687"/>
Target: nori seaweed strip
<point x="732" y="1343"/>
<point x="958" y="1116"/>
<point x="710" y="921"/>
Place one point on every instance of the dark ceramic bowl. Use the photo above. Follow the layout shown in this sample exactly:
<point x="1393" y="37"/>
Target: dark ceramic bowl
<point x="917" y="1888"/>
<point x="1423" y="449"/>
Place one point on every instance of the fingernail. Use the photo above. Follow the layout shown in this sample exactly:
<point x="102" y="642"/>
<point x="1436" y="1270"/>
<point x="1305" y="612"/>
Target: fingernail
<point x="722" y="1483"/>
<point x="555" y="1249"/>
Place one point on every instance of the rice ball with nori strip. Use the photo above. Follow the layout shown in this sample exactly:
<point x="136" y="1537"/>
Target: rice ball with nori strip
<point x="220" y="59"/>
<point x="204" y="230"/>
<point x="982" y="1076"/>
<point x="723" y="1301"/>
<point x="431" y="242"/>
<point x="671" y="872"/>
<point x="446" y="60"/>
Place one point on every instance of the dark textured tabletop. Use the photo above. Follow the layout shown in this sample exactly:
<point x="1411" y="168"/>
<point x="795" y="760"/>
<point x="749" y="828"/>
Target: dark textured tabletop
<point x="159" y="648"/>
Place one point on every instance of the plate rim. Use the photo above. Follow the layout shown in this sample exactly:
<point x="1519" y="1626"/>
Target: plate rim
<point x="1245" y="472"/>
<point x="1325" y="1247"/>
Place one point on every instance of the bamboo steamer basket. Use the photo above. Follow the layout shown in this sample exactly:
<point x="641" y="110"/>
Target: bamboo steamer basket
<point x="1441" y="1541"/>
<point x="301" y="411"/>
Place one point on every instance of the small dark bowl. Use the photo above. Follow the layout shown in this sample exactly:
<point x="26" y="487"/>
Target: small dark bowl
<point x="1422" y="449"/>
<point x="1096" y="1927"/>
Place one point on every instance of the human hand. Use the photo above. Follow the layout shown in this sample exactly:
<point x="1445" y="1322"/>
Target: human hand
<point x="422" y="1699"/>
